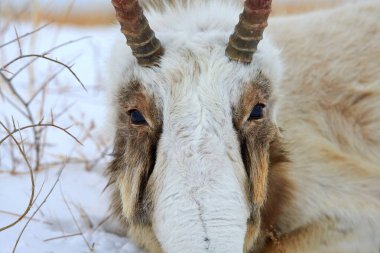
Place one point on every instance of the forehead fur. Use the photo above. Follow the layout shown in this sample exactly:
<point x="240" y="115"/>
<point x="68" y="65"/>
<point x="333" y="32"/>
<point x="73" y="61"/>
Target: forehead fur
<point x="194" y="39"/>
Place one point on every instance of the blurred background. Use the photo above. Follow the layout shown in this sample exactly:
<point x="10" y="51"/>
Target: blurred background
<point x="100" y="12"/>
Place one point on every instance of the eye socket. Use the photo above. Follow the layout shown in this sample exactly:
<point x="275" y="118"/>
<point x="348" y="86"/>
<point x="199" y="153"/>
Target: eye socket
<point x="257" y="112"/>
<point x="137" y="118"/>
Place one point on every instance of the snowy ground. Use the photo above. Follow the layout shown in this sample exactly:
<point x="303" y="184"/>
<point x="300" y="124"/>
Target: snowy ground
<point x="83" y="192"/>
<point x="88" y="56"/>
<point x="54" y="228"/>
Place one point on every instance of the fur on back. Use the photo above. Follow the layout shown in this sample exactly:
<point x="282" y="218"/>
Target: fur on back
<point x="329" y="110"/>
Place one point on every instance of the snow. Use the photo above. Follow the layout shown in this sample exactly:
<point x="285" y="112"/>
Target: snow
<point x="89" y="108"/>
<point x="82" y="189"/>
<point x="84" y="194"/>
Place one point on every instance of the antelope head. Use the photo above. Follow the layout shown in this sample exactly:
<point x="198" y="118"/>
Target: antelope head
<point x="194" y="129"/>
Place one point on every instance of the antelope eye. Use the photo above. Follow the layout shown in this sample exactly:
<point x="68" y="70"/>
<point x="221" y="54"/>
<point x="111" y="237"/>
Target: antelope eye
<point x="257" y="112"/>
<point x="137" y="118"/>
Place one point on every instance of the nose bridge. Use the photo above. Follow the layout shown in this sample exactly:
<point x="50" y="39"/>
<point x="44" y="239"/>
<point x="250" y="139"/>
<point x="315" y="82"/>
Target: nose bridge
<point x="203" y="159"/>
<point x="201" y="206"/>
<point x="197" y="129"/>
<point x="203" y="141"/>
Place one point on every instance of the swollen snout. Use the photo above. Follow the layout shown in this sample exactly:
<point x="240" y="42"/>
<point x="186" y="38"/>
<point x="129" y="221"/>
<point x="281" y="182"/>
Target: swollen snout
<point x="201" y="207"/>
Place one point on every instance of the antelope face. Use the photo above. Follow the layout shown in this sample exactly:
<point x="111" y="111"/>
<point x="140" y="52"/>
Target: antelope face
<point x="193" y="132"/>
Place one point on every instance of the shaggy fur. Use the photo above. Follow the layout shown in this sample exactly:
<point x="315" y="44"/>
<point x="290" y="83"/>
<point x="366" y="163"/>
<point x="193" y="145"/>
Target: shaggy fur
<point x="200" y="177"/>
<point x="328" y="107"/>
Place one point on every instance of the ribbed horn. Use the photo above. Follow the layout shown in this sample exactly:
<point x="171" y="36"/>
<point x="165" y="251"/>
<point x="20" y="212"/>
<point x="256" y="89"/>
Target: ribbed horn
<point x="140" y="37"/>
<point x="249" y="31"/>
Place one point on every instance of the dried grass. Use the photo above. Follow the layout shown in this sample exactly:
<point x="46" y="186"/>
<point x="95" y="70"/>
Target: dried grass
<point x="25" y="144"/>
<point x="23" y="103"/>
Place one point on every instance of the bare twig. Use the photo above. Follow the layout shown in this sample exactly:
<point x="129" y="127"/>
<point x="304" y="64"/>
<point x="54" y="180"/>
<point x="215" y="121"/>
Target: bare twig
<point x="43" y="86"/>
<point x="63" y="111"/>
<point x="29" y="117"/>
<point x="84" y="216"/>
<point x="10" y="85"/>
<point x="17" y="107"/>
<point x="24" y="35"/>
<point x="62" y="237"/>
<point x="25" y="217"/>
<point x="40" y="125"/>
<point x="37" y="147"/>
<point x="30" y="203"/>
<point x="48" y="59"/>
<point x="48" y="52"/>
<point x="90" y="247"/>
<point x="5" y="70"/>
<point x="39" y="191"/>
<point x="38" y="208"/>
<point x="18" y="41"/>
<point x="102" y="222"/>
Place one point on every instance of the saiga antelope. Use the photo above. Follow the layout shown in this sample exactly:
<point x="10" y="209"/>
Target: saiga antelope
<point x="230" y="144"/>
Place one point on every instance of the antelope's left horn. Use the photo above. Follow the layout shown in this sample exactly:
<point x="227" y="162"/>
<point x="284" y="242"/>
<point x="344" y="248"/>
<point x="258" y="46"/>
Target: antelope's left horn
<point x="140" y="37"/>
<point x="249" y="31"/>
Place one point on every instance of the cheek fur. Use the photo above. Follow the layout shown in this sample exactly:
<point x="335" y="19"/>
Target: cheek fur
<point x="255" y="155"/>
<point x="136" y="197"/>
<point x="257" y="168"/>
<point x="134" y="156"/>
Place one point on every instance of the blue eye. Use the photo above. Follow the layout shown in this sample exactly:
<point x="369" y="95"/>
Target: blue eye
<point x="137" y="118"/>
<point x="257" y="112"/>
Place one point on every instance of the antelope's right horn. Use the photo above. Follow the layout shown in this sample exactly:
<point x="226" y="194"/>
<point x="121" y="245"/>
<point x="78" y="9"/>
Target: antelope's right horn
<point x="140" y="37"/>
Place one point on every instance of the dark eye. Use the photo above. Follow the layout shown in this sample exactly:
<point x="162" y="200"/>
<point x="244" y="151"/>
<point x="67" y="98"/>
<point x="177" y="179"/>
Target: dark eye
<point x="257" y="112"/>
<point x="137" y="118"/>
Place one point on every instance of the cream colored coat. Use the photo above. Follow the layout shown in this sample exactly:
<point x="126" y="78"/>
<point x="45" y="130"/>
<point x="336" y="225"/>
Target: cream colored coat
<point x="329" y="109"/>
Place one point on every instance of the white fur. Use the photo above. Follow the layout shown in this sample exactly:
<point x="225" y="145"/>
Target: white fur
<point x="201" y="205"/>
<point x="202" y="189"/>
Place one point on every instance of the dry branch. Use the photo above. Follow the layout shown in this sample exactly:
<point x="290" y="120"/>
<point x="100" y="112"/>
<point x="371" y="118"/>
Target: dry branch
<point x="62" y="237"/>
<point x="25" y="217"/>
<point x="33" y="150"/>
<point x="23" y="104"/>
<point x="31" y="199"/>
<point x="38" y="208"/>
<point x="25" y="35"/>
<point x="65" y="130"/>
<point x="46" y="53"/>
<point x="90" y="247"/>
<point x="69" y="68"/>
